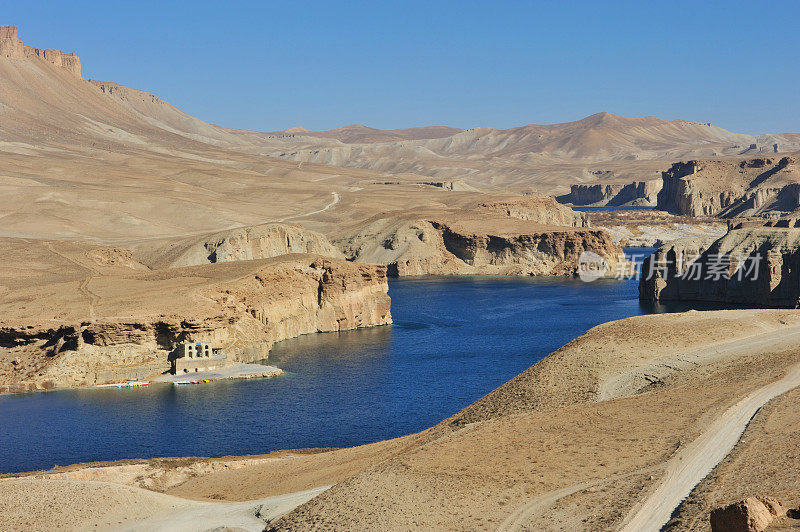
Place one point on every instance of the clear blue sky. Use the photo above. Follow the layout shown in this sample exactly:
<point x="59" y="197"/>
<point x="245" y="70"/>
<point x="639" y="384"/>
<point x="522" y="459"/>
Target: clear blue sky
<point x="273" y="65"/>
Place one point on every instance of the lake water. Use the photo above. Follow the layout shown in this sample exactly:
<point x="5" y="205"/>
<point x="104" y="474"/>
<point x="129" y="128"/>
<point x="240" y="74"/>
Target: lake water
<point x="453" y="341"/>
<point x="608" y="208"/>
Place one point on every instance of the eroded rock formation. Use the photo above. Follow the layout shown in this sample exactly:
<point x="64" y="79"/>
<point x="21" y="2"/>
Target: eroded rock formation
<point x="637" y="193"/>
<point x="731" y="188"/>
<point x="463" y="246"/>
<point x="242" y="307"/>
<point x="11" y="47"/>
<point x="543" y="210"/>
<point x="753" y="514"/>
<point x="750" y="266"/>
<point x="246" y="243"/>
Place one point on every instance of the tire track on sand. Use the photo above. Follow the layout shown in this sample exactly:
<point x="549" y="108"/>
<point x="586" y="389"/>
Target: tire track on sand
<point x="691" y="465"/>
<point x="83" y="286"/>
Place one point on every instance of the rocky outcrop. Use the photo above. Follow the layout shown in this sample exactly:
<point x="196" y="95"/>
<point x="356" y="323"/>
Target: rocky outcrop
<point x="749" y="266"/>
<point x="728" y="189"/>
<point x="241" y="307"/>
<point x="639" y="193"/>
<point x="590" y="194"/>
<point x="543" y="210"/>
<point x="486" y="246"/>
<point x="10" y="44"/>
<point x="245" y="243"/>
<point x="11" y="47"/>
<point x="753" y="514"/>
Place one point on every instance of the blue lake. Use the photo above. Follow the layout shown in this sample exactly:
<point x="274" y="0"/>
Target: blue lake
<point x="453" y="341"/>
<point x="609" y="208"/>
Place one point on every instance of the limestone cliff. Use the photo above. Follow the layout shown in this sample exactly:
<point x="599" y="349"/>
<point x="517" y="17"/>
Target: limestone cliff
<point x="134" y="321"/>
<point x="543" y="210"/>
<point x="245" y="243"/>
<point x="464" y="246"/>
<point x="731" y="188"/>
<point x="750" y="266"/>
<point x="11" y="47"/>
<point x="638" y="193"/>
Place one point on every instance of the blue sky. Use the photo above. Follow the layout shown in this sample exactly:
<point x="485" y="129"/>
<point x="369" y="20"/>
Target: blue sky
<point x="273" y="65"/>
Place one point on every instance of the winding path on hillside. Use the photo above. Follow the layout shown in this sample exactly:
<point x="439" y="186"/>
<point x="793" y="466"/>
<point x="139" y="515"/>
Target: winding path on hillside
<point x="695" y="461"/>
<point x="691" y="465"/>
<point x="246" y="515"/>
<point x="325" y="208"/>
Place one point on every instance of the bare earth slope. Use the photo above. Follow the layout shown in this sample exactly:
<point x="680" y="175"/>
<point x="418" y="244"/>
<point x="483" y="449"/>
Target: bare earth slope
<point x="575" y="442"/>
<point x="570" y="444"/>
<point x="546" y="158"/>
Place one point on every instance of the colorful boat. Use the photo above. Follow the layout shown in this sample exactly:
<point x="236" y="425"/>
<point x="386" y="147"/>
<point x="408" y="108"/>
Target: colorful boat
<point x="201" y="381"/>
<point x="131" y="384"/>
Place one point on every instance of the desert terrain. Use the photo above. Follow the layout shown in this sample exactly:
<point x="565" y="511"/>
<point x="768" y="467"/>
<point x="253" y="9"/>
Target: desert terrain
<point x="569" y="444"/>
<point x="129" y="227"/>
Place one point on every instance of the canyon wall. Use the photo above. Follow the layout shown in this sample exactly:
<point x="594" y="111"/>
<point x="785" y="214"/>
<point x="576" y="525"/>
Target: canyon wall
<point x="246" y="243"/>
<point x="731" y="188"/>
<point x="11" y="47"/>
<point x="544" y="210"/>
<point x="242" y="307"/>
<point x="637" y="193"/>
<point x="750" y="266"/>
<point x="452" y="246"/>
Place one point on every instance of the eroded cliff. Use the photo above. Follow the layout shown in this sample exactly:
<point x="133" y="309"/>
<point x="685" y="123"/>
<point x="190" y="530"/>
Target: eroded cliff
<point x="544" y="210"/>
<point x="246" y="243"/>
<point x="129" y="322"/>
<point x="11" y="47"/>
<point x="411" y="245"/>
<point x="637" y="193"/>
<point x="757" y="266"/>
<point x="732" y="188"/>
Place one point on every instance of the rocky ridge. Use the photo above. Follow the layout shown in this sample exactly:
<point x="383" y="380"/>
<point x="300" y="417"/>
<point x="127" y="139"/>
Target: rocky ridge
<point x="11" y="47"/>
<point x="431" y="245"/>
<point x="542" y="210"/>
<point x="245" y="243"/>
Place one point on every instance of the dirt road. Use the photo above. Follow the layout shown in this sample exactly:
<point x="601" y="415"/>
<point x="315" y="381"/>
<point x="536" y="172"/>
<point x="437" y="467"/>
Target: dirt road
<point x="247" y="515"/>
<point x="698" y="459"/>
<point x="325" y="208"/>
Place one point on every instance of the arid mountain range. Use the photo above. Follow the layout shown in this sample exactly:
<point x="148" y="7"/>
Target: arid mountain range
<point x="128" y="226"/>
<point x="42" y="106"/>
<point x="107" y="188"/>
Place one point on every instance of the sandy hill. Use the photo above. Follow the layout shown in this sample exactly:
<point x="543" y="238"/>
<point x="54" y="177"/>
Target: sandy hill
<point x="602" y="147"/>
<point x="357" y="133"/>
<point x="44" y="101"/>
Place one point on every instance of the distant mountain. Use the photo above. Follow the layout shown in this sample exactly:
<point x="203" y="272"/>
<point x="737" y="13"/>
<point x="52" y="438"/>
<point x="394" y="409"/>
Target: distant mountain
<point x="543" y="157"/>
<point x="44" y="101"/>
<point x="356" y="133"/>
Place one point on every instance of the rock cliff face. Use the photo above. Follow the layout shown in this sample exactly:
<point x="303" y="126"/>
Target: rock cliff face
<point x="430" y="246"/>
<point x="728" y="189"/>
<point x="242" y="307"/>
<point x="639" y="193"/>
<point x="246" y="243"/>
<point x="11" y="47"/>
<point x="749" y="266"/>
<point x="543" y="210"/>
